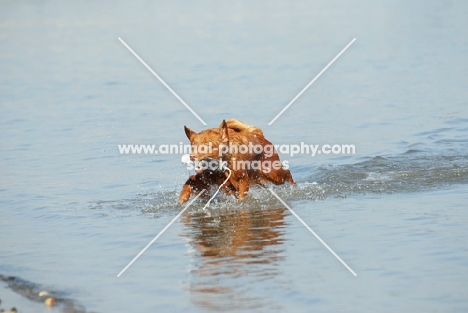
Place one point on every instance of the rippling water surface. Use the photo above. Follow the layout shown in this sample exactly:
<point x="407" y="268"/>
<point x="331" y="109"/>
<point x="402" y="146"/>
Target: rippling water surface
<point x="74" y="211"/>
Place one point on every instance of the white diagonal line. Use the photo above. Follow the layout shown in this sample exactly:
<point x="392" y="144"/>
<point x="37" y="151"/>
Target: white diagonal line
<point x="162" y="81"/>
<point x="160" y="233"/>
<point x="313" y="80"/>
<point x="313" y="233"/>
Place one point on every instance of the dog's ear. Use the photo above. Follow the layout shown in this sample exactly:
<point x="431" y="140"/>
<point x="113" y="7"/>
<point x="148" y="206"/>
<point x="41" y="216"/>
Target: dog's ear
<point x="189" y="132"/>
<point x="223" y="132"/>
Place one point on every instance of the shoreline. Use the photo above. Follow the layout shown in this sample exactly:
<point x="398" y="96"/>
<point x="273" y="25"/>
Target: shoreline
<point x="26" y="296"/>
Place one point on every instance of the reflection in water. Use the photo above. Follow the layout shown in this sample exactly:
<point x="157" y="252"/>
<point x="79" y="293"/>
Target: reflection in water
<point x="230" y="251"/>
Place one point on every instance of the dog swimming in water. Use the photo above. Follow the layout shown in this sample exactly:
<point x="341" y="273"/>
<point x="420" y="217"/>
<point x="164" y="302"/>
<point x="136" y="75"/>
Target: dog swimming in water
<point x="236" y="151"/>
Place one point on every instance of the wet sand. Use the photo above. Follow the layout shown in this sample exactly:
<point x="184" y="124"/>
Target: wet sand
<point x="26" y="297"/>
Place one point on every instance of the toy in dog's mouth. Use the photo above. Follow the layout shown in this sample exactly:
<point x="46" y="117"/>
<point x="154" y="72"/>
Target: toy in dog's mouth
<point x="186" y="160"/>
<point x="200" y="165"/>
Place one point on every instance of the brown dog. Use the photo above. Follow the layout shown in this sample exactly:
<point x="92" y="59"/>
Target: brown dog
<point x="249" y="157"/>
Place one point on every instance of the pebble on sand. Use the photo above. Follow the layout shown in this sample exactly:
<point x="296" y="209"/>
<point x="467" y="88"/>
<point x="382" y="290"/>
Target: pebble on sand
<point x="49" y="302"/>
<point x="43" y="293"/>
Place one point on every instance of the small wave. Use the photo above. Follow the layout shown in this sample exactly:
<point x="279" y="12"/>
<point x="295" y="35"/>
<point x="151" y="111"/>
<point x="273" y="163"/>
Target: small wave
<point x="408" y="172"/>
<point x="405" y="173"/>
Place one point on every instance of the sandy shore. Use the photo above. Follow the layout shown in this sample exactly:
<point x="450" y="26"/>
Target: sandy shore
<point x="26" y="297"/>
<point x="11" y="299"/>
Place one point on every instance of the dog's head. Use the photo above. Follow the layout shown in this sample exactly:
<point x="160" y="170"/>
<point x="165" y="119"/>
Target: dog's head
<point x="207" y="144"/>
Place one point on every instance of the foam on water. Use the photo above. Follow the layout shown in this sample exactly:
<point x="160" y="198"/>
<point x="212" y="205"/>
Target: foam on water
<point x="408" y="172"/>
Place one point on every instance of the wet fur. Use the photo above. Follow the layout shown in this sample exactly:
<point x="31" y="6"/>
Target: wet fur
<point x="196" y="183"/>
<point x="232" y="132"/>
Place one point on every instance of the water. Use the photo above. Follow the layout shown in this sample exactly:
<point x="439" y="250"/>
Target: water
<point x="74" y="211"/>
